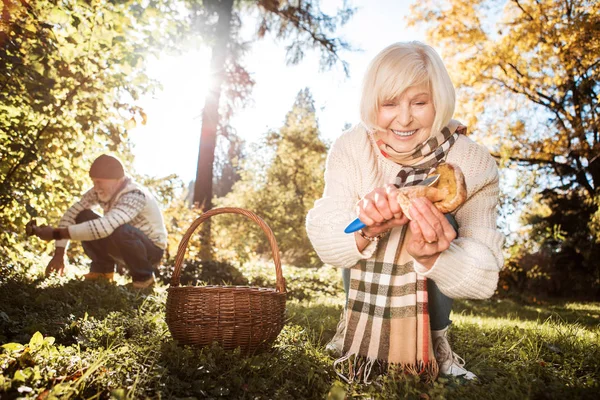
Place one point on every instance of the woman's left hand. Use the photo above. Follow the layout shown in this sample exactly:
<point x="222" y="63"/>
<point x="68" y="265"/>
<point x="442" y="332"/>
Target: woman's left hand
<point x="431" y="232"/>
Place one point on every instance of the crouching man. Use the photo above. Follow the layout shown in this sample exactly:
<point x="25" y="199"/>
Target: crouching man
<point x="131" y="231"/>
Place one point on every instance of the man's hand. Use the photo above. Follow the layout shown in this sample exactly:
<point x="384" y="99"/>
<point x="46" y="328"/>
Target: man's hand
<point x="57" y="263"/>
<point x="44" y="232"/>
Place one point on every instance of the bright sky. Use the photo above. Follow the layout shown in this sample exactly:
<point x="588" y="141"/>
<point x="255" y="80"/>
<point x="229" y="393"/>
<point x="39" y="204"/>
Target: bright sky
<point x="169" y="142"/>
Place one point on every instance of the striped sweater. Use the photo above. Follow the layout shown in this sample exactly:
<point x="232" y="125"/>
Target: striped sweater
<point x="132" y="205"/>
<point x="355" y="166"/>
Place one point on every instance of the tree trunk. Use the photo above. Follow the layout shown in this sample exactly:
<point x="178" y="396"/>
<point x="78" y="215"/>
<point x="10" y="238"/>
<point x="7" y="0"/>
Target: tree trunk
<point x="210" y="120"/>
<point x="210" y="114"/>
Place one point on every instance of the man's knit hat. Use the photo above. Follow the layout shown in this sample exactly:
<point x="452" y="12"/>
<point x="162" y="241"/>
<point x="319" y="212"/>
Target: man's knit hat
<point x="107" y="167"/>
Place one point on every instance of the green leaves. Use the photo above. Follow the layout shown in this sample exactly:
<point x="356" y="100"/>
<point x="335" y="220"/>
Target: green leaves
<point x="280" y="183"/>
<point x="111" y="341"/>
<point x="36" y="340"/>
<point x="65" y="73"/>
<point x="13" y="347"/>
<point x="58" y="16"/>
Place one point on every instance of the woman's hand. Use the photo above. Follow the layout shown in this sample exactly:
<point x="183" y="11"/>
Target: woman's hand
<point x="431" y="232"/>
<point x="380" y="211"/>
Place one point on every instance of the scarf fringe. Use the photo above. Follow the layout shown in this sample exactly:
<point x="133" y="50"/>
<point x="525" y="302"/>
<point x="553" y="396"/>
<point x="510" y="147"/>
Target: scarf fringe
<point x="359" y="369"/>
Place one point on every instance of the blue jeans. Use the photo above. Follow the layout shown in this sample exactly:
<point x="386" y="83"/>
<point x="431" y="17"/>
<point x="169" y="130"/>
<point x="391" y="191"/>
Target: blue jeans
<point x="439" y="304"/>
<point x="126" y="244"/>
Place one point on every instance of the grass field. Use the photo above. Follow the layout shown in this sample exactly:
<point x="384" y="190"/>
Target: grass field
<point x="65" y="338"/>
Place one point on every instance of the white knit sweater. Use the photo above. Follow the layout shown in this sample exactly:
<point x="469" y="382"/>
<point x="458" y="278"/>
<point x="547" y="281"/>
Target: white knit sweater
<point x="132" y="205"/>
<point x="467" y="269"/>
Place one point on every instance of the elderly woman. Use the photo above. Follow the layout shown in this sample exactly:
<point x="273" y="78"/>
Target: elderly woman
<point x="401" y="275"/>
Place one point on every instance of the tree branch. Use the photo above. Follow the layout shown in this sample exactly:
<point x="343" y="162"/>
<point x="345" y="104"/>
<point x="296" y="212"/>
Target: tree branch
<point x="578" y="173"/>
<point x="302" y="20"/>
<point x="523" y="10"/>
<point x="578" y="117"/>
<point x="554" y="110"/>
<point x="538" y="161"/>
<point x="515" y="90"/>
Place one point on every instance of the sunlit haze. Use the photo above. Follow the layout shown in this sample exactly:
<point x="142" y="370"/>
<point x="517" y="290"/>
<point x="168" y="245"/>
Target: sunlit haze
<point x="169" y="142"/>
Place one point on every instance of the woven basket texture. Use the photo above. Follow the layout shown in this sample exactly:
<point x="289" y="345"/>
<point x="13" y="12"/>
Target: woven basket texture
<point x="233" y="316"/>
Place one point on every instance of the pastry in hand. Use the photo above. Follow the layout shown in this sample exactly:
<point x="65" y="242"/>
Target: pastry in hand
<point x="447" y="194"/>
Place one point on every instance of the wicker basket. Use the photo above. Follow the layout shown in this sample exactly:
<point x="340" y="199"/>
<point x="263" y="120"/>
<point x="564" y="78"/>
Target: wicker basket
<point x="233" y="316"/>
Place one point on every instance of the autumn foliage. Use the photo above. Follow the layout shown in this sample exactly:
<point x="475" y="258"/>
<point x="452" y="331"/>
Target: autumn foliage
<point x="528" y="79"/>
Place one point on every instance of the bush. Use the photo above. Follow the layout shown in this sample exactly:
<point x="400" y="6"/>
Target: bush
<point x="198" y="272"/>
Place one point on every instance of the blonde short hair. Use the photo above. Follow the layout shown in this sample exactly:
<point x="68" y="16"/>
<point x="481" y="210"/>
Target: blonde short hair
<point x="398" y="67"/>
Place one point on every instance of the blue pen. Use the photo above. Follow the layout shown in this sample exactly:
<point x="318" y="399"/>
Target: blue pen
<point x="357" y="224"/>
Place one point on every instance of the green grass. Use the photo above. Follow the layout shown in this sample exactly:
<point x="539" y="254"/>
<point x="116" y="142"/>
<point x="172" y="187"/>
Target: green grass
<point x="100" y="340"/>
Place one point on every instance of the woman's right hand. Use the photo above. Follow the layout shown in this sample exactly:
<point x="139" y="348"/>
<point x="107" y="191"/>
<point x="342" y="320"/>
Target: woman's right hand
<point x="380" y="211"/>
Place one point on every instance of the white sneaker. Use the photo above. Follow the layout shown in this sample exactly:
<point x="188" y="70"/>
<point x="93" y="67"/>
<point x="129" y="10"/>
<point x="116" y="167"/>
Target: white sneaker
<point x="336" y="344"/>
<point x="449" y="362"/>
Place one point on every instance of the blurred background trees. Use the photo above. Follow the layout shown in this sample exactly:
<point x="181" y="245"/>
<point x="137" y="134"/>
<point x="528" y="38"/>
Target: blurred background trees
<point x="303" y="23"/>
<point x="280" y="182"/>
<point x="526" y="73"/>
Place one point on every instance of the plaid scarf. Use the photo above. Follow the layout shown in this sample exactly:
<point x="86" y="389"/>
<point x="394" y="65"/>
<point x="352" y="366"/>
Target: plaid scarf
<point x="387" y="317"/>
<point x="420" y="162"/>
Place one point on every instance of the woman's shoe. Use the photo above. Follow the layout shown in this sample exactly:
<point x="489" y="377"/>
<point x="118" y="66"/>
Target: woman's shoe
<point x="336" y="344"/>
<point x="448" y="361"/>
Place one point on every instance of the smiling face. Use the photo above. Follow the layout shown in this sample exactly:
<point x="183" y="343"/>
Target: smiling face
<point x="407" y="120"/>
<point x="106" y="188"/>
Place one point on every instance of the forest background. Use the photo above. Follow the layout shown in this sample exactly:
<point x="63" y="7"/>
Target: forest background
<point x="75" y="73"/>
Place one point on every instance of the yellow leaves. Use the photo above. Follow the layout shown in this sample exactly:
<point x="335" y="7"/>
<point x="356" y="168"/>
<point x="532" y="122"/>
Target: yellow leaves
<point x="30" y="26"/>
<point x="10" y="12"/>
<point x="69" y="51"/>
<point x="144" y="117"/>
<point x="130" y="124"/>
<point x="37" y="67"/>
<point x="58" y="16"/>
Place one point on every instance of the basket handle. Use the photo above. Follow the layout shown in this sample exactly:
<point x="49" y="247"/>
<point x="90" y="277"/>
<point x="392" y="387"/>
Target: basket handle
<point x="280" y="284"/>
